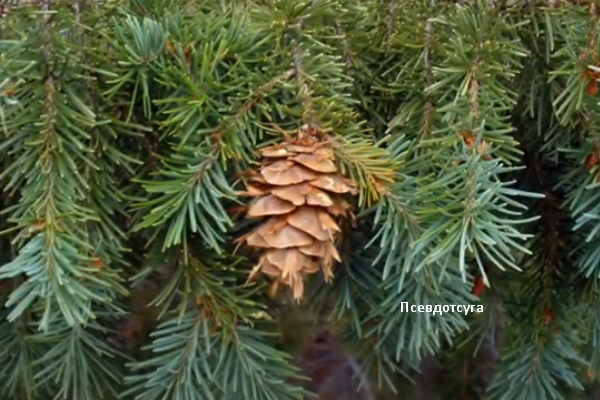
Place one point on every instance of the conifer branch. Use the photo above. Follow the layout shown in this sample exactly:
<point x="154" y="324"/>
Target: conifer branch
<point x="368" y="164"/>
<point x="18" y="354"/>
<point x="52" y="214"/>
<point x="399" y="226"/>
<point x="80" y="360"/>
<point x="538" y="377"/>
<point x="436" y="330"/>
<point x="224" y="142"/>
<point x="209" y="345"/>
<point x="195" y="172"/>
<point x="190" y="362"/>
<point x="194" y="177"/>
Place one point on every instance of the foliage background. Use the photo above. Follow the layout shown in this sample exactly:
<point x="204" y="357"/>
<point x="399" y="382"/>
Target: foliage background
<point x="126" y="126"/>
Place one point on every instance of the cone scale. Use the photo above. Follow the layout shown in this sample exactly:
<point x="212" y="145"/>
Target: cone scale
<point x="299" y="194"/>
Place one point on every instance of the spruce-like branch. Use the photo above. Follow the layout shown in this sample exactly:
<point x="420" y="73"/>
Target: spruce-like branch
<point x="369" y="165"/>
<point x="18" y="354"/>
<point x="80" y="364"/>
<point x="50" y="154"/>
<point x="533" y="370"/>
<point x="209" y="347"/>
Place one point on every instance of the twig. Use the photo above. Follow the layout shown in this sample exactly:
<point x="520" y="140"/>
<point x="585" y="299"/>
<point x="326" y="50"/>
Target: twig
<point x="429" y="80"/>
<point x="428" y="45"/>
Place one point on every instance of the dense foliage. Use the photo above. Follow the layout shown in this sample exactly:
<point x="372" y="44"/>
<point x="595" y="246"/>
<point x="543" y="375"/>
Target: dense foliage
<point x="471" y="130"/>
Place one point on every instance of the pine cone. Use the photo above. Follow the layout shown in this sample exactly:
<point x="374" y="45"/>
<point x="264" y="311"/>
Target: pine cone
<point x="298" y="190"/>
